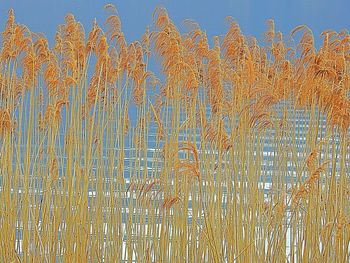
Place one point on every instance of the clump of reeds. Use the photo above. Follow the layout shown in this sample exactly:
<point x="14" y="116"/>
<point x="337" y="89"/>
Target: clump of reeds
<point x="232" y="153"/>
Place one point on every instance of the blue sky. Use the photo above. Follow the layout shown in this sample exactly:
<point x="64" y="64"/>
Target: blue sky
<point x="45" y="15"/>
